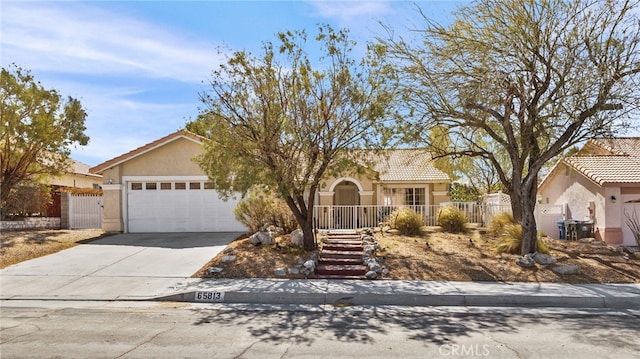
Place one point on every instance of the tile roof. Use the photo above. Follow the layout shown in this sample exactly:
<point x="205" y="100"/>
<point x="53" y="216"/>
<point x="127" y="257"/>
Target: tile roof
<point x="407" y="165"/>
<point x="80" y="168"/>
<point x="391" y="165"/>
<point x="143" y="149"/>
<point x="609" y="161"/>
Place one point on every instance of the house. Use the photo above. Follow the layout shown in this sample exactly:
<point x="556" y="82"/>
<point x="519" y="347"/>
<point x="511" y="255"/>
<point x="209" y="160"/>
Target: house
<point x="402" y="177"/>
<point x="159" y="188"/>
<point x="601" y="182"/>
<point x="78" y="176"/>
<point x="398" y="178"/>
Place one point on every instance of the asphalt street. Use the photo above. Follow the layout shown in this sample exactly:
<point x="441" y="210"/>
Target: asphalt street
<point x="189" y="330"/>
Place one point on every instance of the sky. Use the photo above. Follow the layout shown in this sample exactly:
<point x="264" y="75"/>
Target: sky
<point x="138" y="67"/>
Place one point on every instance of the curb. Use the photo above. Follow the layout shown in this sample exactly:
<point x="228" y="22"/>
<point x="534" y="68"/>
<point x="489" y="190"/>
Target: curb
<point x="465" y="300"/>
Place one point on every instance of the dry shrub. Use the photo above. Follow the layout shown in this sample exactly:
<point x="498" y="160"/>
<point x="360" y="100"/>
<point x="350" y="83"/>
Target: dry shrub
<point x="511" y="240"/>
<point x="407" y="221"/>
<point x="452" y="220"/>
<point x="28" y="199"/>
<point x="262" y="207"/>
<point x="499" y="222"/>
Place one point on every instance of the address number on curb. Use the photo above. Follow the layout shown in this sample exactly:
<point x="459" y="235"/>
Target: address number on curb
<point x="209" y="297"/>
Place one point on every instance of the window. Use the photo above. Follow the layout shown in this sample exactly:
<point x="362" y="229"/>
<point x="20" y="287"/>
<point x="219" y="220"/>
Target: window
<point x="136" y="186"/>
<point x="150" y="186"/>
<point x="208" y="185"/>
<point x="414" y="197"/>
<point x="181" y="185"/>
<point x="165" y="185"/>
<point x="194" y="185"/>
<point x="404" y="196"/>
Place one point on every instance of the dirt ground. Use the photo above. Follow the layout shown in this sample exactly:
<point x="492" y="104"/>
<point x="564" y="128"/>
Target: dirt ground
<point x="448" y="257"/>
<point x="451" y="257"/>
<point x="19" y="246"/>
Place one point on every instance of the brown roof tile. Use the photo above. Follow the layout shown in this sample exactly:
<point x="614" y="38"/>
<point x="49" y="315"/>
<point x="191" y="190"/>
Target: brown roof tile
<point x="609" y="161"/>
<point x="408" y="165"/>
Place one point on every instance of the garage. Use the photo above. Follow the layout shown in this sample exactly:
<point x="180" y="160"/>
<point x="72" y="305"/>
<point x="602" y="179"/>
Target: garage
<point x="178" y="205"/>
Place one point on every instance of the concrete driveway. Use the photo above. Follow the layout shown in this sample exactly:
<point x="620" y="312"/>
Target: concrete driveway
<point x="130" y="265"/>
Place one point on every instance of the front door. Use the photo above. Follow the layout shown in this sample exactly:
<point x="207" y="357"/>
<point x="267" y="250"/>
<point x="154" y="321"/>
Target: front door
<point x="346" y="199"/>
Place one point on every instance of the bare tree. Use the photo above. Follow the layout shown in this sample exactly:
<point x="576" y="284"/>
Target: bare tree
<point x="530" y="77"/>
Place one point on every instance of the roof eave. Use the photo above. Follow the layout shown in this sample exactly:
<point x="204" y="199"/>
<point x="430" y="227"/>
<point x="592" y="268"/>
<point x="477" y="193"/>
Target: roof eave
<point x="145" y="149"/>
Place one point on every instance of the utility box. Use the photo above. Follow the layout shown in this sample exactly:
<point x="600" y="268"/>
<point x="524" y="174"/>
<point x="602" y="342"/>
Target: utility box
<point x="584" y="229"/>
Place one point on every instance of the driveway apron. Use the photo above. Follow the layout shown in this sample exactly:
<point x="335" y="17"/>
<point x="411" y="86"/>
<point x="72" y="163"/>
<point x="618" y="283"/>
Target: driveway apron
<point x="141" y="264"/>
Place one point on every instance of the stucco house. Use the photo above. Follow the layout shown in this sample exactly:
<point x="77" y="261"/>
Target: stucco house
<point x="401" y="177"/>
<point x="600" y="183"/>
<point x="159" y="188"/>
<point x="78" y="176"/>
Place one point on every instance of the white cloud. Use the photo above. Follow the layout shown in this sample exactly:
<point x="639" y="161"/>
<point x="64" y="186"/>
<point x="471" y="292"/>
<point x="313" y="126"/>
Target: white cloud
<point x="71" y="37"/>
<point x="350" y="10"/>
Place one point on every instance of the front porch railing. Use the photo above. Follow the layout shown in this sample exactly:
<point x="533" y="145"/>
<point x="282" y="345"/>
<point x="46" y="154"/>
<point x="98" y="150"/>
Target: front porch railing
<point x="361" y="216"/>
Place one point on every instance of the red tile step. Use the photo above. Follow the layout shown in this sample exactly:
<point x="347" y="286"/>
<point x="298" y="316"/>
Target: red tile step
<point x="341" y="270"/>
<point x="342" y="247"/>
<point x="340" y="254"/>
<point x="339" y="261"/>
<point x="341" y="241"/>
<point x="341" y="277"/>
<point x="344" y="237"/>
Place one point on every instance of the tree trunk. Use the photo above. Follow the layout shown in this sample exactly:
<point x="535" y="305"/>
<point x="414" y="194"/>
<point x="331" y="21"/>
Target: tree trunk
<point x="525" y="204"/>
<point x="309" y="238"/>
<point x="303" y="211"/>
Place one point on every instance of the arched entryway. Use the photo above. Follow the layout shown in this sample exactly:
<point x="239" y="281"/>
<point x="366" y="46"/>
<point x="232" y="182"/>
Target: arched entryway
<point x="346" y="199"/>
<point x="346" y="193"/>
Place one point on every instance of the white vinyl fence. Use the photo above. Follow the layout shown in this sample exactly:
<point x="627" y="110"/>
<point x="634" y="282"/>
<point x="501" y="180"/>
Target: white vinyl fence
<point x="362" y="216"/>
<point x="84" y="211"/>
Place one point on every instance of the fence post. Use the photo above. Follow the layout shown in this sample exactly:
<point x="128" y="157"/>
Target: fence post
<point x="65" y="210"/>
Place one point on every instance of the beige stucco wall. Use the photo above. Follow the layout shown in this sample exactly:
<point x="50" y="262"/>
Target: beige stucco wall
<point x="372" y="191"/>
<point x="75" y="180"/>
<point x="112" y="211"/>
<point x="172" y="159"/>
<point x="366" y="189"/>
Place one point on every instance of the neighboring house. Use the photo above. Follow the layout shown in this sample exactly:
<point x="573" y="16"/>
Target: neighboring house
<point x="78" y="176"/>
<point x="601" y="183"/>
<point x="159" y="188"/>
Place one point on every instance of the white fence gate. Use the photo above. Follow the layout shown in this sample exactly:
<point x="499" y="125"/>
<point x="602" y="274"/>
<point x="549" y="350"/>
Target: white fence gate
<point x="85" y="211"/>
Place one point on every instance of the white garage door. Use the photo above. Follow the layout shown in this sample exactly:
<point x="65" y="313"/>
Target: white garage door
<point x="178" y="206"/>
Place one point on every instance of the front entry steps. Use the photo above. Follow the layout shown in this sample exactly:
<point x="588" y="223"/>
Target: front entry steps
<point x="341" y="257"/>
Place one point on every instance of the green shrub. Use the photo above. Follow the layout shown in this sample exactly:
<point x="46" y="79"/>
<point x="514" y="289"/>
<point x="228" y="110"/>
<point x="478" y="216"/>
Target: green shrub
<point x="499" y="222"/>
<point x="406" y="221"/>
<point x="452" y="220"/>
<point x="511" y="240"/>
<point x="261" y="207"/>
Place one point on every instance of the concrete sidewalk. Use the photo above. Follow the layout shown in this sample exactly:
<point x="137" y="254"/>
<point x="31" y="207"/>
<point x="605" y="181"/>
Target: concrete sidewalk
<point x="323" y="292"/>
<point x="412" y="293"/>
